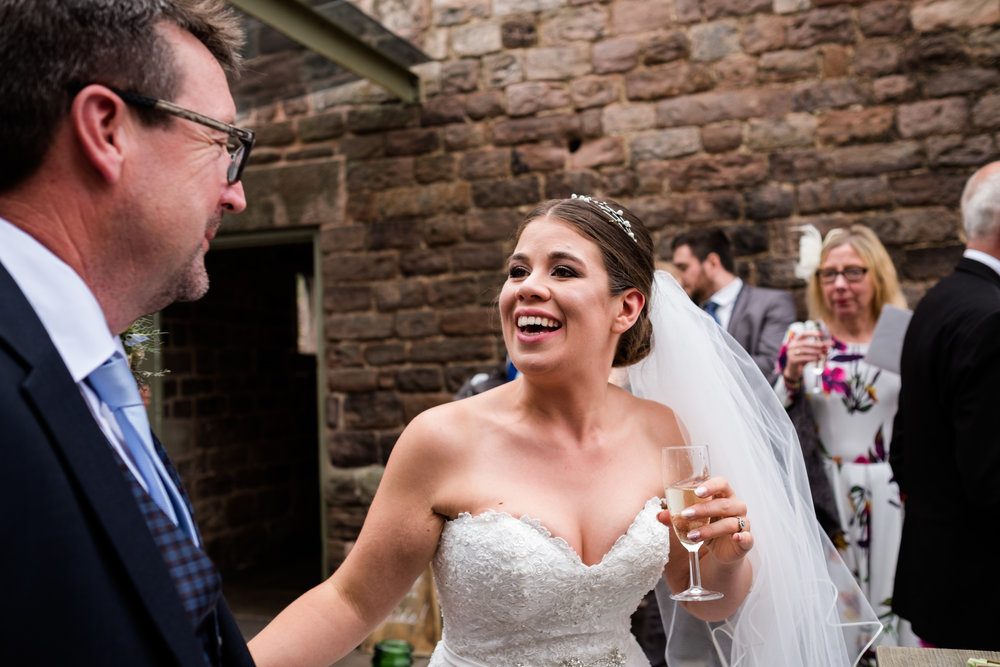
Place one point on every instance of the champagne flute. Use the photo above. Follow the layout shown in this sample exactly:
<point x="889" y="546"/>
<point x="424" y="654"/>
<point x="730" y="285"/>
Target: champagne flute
<point x="814" y="369"/>
<point x="684" y="470"/>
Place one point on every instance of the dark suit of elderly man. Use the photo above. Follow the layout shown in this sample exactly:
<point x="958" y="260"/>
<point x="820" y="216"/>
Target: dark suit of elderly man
<point x="117" y="162"/>
<point x="945" y="450"/>
<point x="757" y="317"/>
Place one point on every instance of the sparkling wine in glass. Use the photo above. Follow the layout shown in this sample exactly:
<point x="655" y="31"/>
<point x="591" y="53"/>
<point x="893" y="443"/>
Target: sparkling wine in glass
<point x="814" y="369"/>
<point x="684" y="470"/>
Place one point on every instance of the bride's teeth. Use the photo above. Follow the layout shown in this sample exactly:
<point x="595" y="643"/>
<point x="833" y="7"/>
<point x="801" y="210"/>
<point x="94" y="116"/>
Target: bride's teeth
<point x="534" y="320"/>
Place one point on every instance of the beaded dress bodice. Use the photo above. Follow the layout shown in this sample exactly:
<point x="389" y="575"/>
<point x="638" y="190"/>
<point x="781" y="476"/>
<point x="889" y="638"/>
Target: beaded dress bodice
<point x="511" y="594"/>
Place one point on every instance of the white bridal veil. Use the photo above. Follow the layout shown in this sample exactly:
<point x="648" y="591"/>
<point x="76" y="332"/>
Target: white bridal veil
<point x="804" y="607"/>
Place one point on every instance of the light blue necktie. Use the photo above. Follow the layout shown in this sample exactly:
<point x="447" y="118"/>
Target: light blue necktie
<point x="116" y="386"/>
<point x="710" y="308"/>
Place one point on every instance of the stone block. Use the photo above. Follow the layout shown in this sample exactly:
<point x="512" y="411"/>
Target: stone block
<point x="618" y="182"/>
<point x="712" y="41"/>
<point x="815" y="96"/>
<point x="668" y="80"/>
<point x="705" y="108"/>
<point x="788" y="65"/>
<point x="616" y="55"/>
<point x="736" y="72"/>
<point x="538" y="157"/>
<point x="452" y="350"/>
<point x="381" y="118"/>
<point x="834" y="24"/>
<point x="443" y="230"/>
<point x="718" y="171"/>
<point x="358" y="326"/>
<point x="763" y="33"/>
<point x="927" y="52"/>
<point x="986" y="112"/>
<point x="525" y="99"/>
<point x="485" y="104"/>
<point x="424" y="200"/>
<point x="523" y="190"/>
<point x="632" y="16"/>
<point x="476" y="39"/>
<point x="362" y="146"/>
<point x="460" y="76"/>
<point x="290" y="196"/>
<point x="877" y="58"/>
<point x="423" y="262"/>
<point x="372" y="410"/>
<point x="517" y="32"/>
<point x="873" y="159"/>
<point x="795" y="129"/>
<point x="928" y="189"/>
<point x="651" y="178"/>
<point x="769" y="202"/>
<point x="456" y="12"/>
<point x="347" y="298"/>
<point x="392" y="295"/>
<point x="721" y="138"/>
<point x="884" y="17"/>
<point x="714" y="9"/>
<point x="387" y="234"/>
<point x="934" y="224"/>
<point x="503" y="69"/>
<point x="834" y="60"/>
<point x="956" y="151"/>
<point x="595" y="91"/>
<point x="477" y="257"/>
<point x="464" y="136"/>
<point x="664" y="144"/>
<point x="930" y="263"/>
<point x="897" y="88"/>
<point x="492" y="225"/>
<point x="446" y="291"/>
<point x="961" y="81"/>
<point x="585" y="23"/>
<point x="557" y="62"/>
<point x="665" y="47"/>
<point x="562" y="185"/>
<point x="322" y="126"/>
<point x="598" y="153"/>
<point x="702" y="207"/>
<point x="434" y="168"/>
<point x="929" y="117"/>
<point x="936" y="15"/>
<point x="485" y="163"/>
<point x="380" y="174"/>
<point x="441" y="110"/>
<point x="505" y="7"/>
<point x="412" y="142"/>
<point x="858" y="194"/>
<point x="556" y="127"/>
<point x="413" y="380"/>
<point x="416" y="324"/>
<point x="856" y="126"/>
<point x="350" y="379"/>
<point x="799" y="166"/>
<point x="625" y="118"/>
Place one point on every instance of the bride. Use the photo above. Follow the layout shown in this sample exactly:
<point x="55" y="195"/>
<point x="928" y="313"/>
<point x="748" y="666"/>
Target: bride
<point x="538" y="502"/>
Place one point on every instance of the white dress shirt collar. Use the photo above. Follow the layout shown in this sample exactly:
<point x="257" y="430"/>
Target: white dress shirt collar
<point x="726" y="298"/>
<point x="63" y="302"/>
<point x="983" y="258"/>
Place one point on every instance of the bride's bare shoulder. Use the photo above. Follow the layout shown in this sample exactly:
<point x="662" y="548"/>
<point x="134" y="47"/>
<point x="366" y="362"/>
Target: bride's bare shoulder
<point x="452" y="425"/>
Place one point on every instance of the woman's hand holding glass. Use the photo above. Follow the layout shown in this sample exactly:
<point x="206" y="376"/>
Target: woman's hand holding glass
<point x="807" y="348"/>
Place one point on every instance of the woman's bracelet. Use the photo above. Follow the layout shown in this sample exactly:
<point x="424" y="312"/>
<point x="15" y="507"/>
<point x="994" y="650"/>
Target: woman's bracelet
<point x="792" y="385"/>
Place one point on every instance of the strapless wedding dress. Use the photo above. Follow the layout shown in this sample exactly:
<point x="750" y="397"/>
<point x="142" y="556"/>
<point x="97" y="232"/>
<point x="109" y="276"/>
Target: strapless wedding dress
<point x="513" y="595"/>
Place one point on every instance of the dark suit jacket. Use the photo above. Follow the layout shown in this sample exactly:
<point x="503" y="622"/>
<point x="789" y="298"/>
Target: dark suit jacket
<point x="761" y="316"/>
<point x="84" y="582"/>
<point x="945" y="454"/>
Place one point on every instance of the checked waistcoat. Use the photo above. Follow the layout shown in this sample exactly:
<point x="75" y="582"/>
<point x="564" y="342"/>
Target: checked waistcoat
<point x="198" y="582"/>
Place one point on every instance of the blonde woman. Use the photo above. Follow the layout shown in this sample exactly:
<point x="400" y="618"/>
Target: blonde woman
<point x="822" y="371"/>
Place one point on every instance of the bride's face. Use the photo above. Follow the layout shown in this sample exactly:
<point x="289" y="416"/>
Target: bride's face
<point x="556" y="306"/>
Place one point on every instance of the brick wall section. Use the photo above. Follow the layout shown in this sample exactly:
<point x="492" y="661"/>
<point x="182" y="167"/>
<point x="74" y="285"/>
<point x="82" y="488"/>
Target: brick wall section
<point x="240" y="409"/>
<point x="751" y="115"/>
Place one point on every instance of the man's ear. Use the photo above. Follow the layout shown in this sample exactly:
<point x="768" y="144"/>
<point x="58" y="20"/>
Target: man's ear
<point x="97" y="118"/>
<point x="631" y="307"/>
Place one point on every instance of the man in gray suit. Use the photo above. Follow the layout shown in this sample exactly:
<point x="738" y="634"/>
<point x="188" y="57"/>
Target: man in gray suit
<point x="757" y="317"/>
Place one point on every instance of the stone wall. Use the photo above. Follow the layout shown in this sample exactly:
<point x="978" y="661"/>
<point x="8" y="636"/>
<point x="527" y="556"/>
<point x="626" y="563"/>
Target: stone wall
<point x="751" y="115"/>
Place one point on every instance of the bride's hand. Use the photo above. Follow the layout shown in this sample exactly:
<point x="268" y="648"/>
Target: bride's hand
<point x="727" y="537"/>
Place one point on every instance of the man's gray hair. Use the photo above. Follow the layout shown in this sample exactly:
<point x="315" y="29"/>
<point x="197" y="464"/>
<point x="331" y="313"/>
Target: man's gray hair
<point x="981" y="203"/>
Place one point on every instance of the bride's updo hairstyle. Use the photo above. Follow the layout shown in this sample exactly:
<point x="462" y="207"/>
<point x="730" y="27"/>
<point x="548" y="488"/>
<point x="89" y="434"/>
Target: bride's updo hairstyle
<point x="627" y="251"/>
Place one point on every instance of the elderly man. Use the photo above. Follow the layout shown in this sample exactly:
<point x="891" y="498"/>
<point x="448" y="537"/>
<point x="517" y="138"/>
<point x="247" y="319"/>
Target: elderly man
<point x="117" y="162"/>
<point x="757" y="317"/>
<point x="945" y="451"/>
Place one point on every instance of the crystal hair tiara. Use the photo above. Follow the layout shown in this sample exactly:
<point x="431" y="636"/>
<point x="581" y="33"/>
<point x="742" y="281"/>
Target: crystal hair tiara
<point x="617" y="217"/>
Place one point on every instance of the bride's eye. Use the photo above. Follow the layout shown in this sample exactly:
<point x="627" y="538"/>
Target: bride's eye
<point x="564" y="272"/>
<point x="517" y="271"/>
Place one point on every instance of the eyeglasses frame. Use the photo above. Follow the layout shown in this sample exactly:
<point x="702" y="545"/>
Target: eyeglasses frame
<point x="244" y="136"/>
<point x="819" y="275"/>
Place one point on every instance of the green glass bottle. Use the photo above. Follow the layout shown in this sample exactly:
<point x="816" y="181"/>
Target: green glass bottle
<point x="392" y="653"/>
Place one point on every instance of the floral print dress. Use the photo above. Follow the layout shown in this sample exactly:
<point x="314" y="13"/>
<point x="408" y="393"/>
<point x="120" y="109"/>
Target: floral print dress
<point x="853" y="404"/>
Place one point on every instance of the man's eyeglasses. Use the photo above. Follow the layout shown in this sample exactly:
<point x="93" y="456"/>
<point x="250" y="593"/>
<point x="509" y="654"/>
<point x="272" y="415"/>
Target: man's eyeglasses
<point x="240" y="139"/>
<point x="852" y="274"/>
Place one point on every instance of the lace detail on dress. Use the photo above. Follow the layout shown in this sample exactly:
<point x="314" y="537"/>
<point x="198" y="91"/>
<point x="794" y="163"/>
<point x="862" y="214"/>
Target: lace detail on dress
<point x="512" y="594"/>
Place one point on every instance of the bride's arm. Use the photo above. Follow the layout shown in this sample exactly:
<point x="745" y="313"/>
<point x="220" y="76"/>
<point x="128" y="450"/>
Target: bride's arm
<point x="397" y="541"/>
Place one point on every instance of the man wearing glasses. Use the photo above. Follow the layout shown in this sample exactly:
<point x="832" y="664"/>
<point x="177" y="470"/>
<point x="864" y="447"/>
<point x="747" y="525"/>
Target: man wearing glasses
<point x="118" y="160"/>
